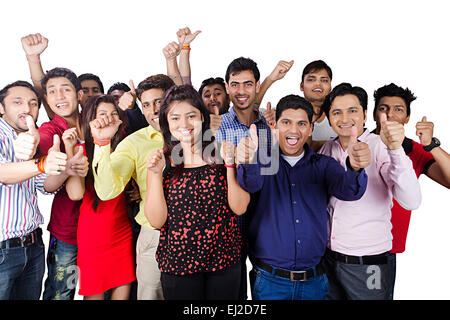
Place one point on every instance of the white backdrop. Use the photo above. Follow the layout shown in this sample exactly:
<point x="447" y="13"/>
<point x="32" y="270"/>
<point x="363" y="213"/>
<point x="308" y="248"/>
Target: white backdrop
<point x="366" y="44"/>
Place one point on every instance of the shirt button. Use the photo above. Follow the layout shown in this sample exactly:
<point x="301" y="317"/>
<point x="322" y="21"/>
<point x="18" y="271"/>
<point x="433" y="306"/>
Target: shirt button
<point x="293" y="185"/>
<point x="298" y="241"/>
<point x="297" y="221"/>
<point x="294" y="202"/>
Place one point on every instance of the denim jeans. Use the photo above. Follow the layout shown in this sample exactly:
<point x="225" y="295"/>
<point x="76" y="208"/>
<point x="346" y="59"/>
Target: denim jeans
<point x="62" y="270"/>
<point x="392" y="261"/>
<point x="267" y="286"/>
<point x="22" y="271"/>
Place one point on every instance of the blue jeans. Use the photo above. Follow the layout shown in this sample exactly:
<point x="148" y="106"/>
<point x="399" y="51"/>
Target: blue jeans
<point x="62" y="270"/>
<point x="267" y="286"/>
<point x="392" y="261"/>
<point x="22" y="271"/>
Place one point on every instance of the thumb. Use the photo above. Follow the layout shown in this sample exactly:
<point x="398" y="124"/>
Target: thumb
<point x="354" y="136"/>
<point x="269" y="105"/>
<point x="196" y="33"/>
<point x="253" y="134"/>
<point x="79" y="154"/>
<point x="424" y="119"/>
<point x="31" y="125"/>
<point x="291" y="62"/>
<point x="383" y="118"/>
<point x="216" y="110"/>
<point x="133" y="89"/>
<point x="56" y="143"/>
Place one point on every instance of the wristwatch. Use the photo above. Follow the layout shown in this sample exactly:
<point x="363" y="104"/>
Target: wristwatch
<point x="434" y="143"/>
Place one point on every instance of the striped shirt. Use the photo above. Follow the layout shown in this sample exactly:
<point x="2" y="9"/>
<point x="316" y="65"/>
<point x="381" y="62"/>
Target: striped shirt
<point x="19" y="212"/>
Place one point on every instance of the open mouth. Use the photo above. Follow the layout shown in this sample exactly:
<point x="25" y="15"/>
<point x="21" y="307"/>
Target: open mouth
<point x="62" y="105"/>
<point x="292" y="141"/>
<point x="242" y="100"/>
<point x="186" y="132"/>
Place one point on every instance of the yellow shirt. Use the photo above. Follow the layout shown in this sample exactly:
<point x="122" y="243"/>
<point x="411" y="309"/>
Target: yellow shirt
<point x="128" y="160"/>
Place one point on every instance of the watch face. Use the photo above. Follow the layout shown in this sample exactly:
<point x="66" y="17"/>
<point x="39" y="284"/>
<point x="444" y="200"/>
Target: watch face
<point x="436" y="141"/>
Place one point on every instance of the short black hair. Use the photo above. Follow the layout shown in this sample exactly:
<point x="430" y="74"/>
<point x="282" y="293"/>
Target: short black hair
<point x="210" y="82"/>
<point x="342" y="90"/>
<point x="158" y="81"/>
<point x="60" y="72"/>
<point x="90" y="76"/>
<point x="316" y="66"/>
<point x="18" y="83"/>
<point x="242" y="64"/>
<point x="295" y="102"/>
<point x="392" y="90"/>
<point x="119" y="86"/>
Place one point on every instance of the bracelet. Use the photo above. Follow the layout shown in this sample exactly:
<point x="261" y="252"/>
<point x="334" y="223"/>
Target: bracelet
<point x="102" y="142"/>
<point x="230" y="165"/>
<point x="40" y="164"/>
<point x="188" y="47"/>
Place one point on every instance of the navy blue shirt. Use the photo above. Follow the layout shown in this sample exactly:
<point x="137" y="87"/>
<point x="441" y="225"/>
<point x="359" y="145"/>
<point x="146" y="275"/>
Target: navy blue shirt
<point x="288" y="228"/>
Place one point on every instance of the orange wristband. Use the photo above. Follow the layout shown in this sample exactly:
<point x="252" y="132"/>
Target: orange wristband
<point x="40" y="164"/>
<point x="186" y="48"/>
<point x="102" y="142"/>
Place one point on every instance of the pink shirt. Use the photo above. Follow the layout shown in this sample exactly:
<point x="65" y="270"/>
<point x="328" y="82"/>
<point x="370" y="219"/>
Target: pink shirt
<point x="363" y="227"/>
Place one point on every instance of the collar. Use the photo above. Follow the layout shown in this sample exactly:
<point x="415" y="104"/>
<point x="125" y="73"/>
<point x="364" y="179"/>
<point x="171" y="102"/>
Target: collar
<point x="259" y="116"/>
<point x="308" y="153"/>
<point x="60" y="122"/>
<point x="151" y="132"/>
<point x="7" y="129"/>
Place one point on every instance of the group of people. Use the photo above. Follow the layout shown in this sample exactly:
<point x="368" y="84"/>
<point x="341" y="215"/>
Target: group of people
<point x="170" y="199"/>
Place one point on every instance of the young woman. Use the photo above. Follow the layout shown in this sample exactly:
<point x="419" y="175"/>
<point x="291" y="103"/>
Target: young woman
<point x="105" y="251"/>
<point x="194" y="199"/>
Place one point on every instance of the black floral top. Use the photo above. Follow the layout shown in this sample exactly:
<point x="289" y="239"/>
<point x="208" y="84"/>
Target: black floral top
<point x="201" y="232"/>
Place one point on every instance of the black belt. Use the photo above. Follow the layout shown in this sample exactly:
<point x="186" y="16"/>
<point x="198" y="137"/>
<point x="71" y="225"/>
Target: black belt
<point x="23" y="241"/>
<point x="291" y="275"/>
<point x="375" y="259"/>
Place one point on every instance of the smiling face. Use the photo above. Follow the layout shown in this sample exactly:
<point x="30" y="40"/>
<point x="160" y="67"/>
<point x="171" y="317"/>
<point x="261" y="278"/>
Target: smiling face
<point x="294" y="129"/>
<point x="151" y="102"/>
<point x="214" y="96"/>
<point x="19" y="102"/>
<point x="185" y="121"/>
<point x="62" y="97"/>
<point x="346" y="112"/>
<point x="242" y="89"/>
<point x="107" y="109"/>
<point x="315" y="86"/>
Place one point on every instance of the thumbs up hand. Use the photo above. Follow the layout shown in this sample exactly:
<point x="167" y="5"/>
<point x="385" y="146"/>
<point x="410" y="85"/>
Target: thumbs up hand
<point x="358" y="152"/>
<point x="247" y="147"/>
<point x="78" y="165"/>
<point x="228" y="152"/>
<point x="127" y="100"/>
<point x="215" y="120"/>
<point x="392" y="133"/>
<point x="424" y="130"/>
<point x="27" y="142"/>
<point x="270" y="116"/>
<point x="55" y="161"/>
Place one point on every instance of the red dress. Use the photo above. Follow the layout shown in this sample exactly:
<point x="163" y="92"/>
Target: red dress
<point x="105" y="250"/>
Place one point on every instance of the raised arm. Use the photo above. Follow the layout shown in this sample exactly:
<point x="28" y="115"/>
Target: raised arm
<point x="171" y="51"/>
<point x="396" y="169"/>
<point x="278" y="73"/>
<point x="238" y="198"/>
<point x="185" y="37"/>
<point x="155" y="207"/>
<point x="439" y="170"/>
<point x="34" y="45"/>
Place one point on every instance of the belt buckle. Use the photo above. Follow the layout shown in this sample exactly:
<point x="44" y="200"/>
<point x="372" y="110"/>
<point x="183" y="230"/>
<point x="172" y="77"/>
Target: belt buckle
<point x="292" y="273"/>
<point x="24" y="242"/>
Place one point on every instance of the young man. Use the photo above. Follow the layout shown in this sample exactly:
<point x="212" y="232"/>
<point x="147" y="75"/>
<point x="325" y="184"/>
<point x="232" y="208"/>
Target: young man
<point x="427" y="157"/>
<point x="90" y="86"/>
<point x="242" y="86"/>
<point x="22" y="265"/>
<point x="288" y="231"/>
<point x="360" y="232"/>
<point x="316" y="85"/>
<point x="60" y="87"/>
<point x="214" y="95"/>
<point x="115" y="169"/>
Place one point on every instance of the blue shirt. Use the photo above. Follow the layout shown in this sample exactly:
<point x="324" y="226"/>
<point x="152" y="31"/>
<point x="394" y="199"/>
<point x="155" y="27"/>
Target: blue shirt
<point x="288" y="228"/>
